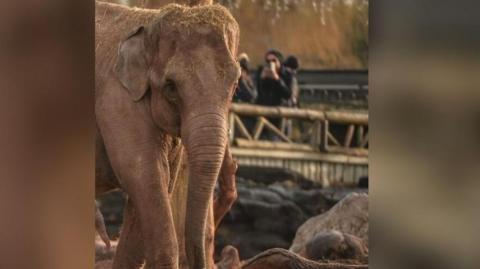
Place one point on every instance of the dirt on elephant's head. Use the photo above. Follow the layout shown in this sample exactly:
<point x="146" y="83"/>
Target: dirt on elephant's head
<point x="114" y="23"/>
<point x="190" y="19"/>
<point x="215" y="15"/>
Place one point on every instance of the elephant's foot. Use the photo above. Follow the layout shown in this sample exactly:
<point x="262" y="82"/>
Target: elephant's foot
<point x="130" y="251"/>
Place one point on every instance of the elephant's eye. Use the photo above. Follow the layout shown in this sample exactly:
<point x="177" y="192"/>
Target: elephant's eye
<point x="170" y="91"/>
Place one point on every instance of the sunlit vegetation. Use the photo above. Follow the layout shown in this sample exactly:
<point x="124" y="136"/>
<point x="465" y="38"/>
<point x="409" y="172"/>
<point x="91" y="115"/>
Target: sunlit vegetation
<point x="322" y="33"/>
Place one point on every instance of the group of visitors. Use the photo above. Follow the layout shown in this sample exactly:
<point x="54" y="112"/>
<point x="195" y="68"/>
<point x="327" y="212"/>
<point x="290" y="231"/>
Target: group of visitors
<point x="275" y="84"/>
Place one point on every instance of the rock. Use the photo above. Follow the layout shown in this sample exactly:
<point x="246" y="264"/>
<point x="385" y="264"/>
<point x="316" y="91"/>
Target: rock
<point x="311" y="202"/>
<point x="266" y="210"/>
<point x="268" y="215"/>
<point x="350" y="215"/>
<point x="258" y="194"/>
<point x="335" y="194"/>
<point x="268" y="176"/>
<point x="334" y="245"/>
<point x="260" y="219"/>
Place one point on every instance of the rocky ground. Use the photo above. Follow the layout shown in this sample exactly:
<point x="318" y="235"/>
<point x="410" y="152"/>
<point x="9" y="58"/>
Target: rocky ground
<point x="270" y="209"/>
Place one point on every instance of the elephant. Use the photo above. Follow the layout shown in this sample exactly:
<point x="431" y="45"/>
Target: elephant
<point x="164" y="81"/>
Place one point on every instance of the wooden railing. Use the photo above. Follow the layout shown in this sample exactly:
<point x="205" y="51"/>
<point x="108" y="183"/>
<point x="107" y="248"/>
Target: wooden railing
<point x="342" y="132"/>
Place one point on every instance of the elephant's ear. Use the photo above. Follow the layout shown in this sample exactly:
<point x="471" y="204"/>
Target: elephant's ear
<point x="131" y="67"/>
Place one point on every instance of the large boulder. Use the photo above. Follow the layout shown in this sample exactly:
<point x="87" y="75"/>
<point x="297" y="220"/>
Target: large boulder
<point x="350" y="216"/>
<point x="266" y="211"/>
<point x="260" y="219"/>
<point x="267" y="216"/>
<point x="312" y="201"/>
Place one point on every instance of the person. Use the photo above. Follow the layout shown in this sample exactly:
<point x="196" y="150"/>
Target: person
<point x="274" y="82"/>
<point x="274" y="86"/>
<point x="291" y="65"/>
<point x="246" y="91"/>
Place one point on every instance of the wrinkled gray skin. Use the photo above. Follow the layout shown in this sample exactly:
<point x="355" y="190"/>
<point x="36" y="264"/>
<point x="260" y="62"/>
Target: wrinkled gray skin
<point x="162" y="77"/>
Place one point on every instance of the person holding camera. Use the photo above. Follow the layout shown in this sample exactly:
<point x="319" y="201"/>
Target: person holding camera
<point x="274" y="85"/>
<point x="273" y="81"/>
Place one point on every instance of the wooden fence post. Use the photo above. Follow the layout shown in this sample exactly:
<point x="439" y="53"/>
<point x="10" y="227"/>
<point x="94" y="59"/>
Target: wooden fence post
<point x="324" y="139"/>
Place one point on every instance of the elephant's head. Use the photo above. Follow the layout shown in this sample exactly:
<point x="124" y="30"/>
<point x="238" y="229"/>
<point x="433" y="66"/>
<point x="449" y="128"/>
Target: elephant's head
<point x="182" y="66"/>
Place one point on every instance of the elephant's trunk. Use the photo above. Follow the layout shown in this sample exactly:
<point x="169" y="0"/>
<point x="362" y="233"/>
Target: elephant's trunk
<point x="205" y="138"/>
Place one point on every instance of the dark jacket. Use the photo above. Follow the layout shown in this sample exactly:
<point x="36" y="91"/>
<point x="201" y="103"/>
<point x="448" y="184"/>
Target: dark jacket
<point x="246" y="91"/>
<point x="293" y="101"/>
<point x="274" y="92"/>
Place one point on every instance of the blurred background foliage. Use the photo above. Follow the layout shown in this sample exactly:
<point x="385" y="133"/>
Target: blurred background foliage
<point x="329" y="34"/>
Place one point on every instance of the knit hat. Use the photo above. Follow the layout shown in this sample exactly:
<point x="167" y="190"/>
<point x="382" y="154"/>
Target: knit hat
<point x="291" y="62"/>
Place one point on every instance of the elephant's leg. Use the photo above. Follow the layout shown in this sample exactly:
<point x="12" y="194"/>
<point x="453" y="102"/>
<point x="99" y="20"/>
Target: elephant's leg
<point x="137" y="151"/>
<point x="140" y="163"/>
<point x="149" y="194"/>
<point x="228" y="191"/>
<point x="130" y="251"/>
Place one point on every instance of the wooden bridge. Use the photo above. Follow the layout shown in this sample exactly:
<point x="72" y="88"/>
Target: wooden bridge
<point x="327" y="147"/>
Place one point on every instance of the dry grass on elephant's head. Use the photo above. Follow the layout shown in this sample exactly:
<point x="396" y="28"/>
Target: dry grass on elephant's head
<point x="192" y="17"/>
<point x="186" y="18"/>
<point x="114" y="23"/>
